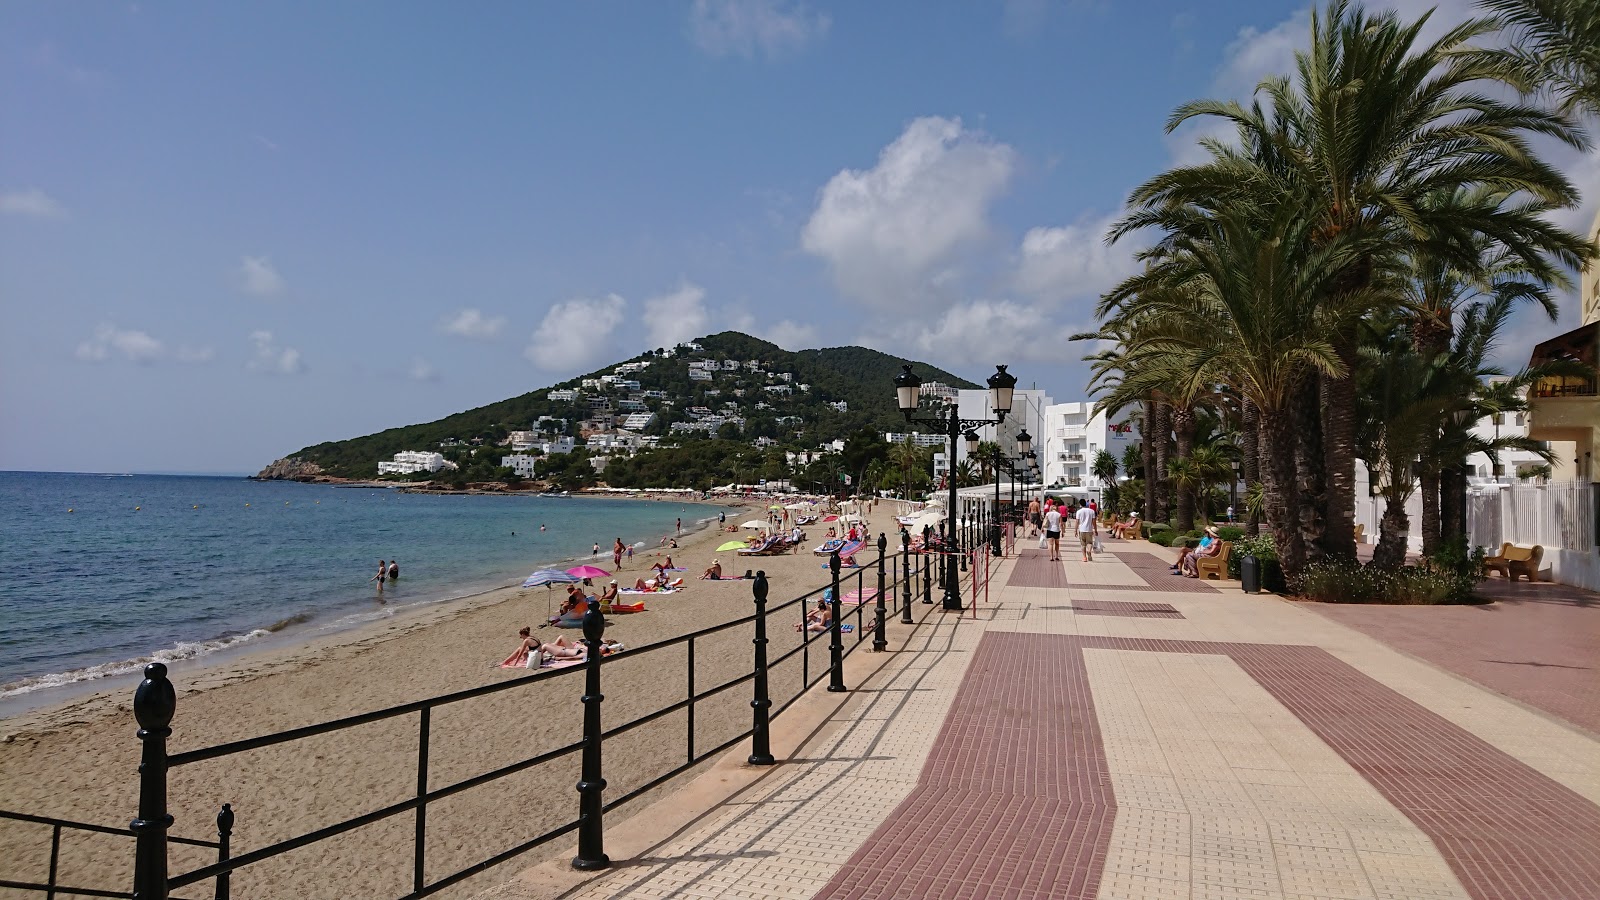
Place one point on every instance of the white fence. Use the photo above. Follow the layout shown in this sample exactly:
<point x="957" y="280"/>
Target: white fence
<point x="1560" y="517"/>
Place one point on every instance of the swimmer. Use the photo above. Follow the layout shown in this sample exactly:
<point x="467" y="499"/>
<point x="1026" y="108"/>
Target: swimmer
<point x="541" y="527"/>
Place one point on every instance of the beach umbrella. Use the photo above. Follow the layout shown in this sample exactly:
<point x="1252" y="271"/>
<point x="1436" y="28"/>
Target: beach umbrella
<point x="583" y="572"/>
<point x="732" y="545"/>
<point x="547" y="577"/>
<point x="754" y="523"/>
<point x="798" y="505"/>
<point x="830" y="518"/>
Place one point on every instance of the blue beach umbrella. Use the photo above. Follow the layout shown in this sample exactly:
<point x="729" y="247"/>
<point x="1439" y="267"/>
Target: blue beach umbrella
<point x="548" y="577"/>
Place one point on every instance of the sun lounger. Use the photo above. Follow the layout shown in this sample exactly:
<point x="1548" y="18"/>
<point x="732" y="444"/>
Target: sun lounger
<point x="826" y="548"/>
<point x="770" y="547"/>
<point x="622" y="607"/>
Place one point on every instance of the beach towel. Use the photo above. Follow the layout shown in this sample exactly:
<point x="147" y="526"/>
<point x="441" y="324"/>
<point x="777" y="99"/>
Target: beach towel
<point x="656" y="591"/>
<point x="867" y="596"/>
<point x="517" y="660"/>
<point x="553" y="663"/>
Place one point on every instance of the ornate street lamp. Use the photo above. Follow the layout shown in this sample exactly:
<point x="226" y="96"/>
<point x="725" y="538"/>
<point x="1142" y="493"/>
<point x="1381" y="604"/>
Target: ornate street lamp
<point x="908" y="394"/>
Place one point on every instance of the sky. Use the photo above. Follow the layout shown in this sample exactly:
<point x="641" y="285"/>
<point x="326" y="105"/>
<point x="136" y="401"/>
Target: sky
<point x="228" y="231"/>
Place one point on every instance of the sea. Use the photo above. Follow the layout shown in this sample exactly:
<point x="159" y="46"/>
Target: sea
<point x="102" y="573"/>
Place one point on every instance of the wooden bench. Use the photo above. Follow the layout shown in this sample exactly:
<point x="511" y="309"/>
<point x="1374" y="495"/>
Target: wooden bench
<point x="1361" y="534"/>
<point x="1512" y="561"/>
<point x="1217" y="565"/>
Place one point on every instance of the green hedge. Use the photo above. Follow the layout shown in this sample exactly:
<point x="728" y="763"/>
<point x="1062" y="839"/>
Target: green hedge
<point x="1346" y="582"/>
<point x="1162" y="537"/>
<point x="1148" y="528"/>
<point x="1230" y="532"/>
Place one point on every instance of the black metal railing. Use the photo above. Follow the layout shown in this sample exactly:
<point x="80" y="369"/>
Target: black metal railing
<point x="51" y="887"/>
<point x="860" y="601"/>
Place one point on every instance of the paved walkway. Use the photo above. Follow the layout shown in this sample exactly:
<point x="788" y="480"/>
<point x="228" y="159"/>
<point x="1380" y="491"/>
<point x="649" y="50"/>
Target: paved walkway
<point x="1103" y="730"/>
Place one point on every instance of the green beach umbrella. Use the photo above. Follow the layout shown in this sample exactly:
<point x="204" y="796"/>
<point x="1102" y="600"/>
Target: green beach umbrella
<point x="731" y="545"/>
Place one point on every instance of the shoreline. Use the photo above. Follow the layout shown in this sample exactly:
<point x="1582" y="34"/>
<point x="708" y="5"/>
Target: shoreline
<point x="78" y="761"/>
<point x="43" y="696"/>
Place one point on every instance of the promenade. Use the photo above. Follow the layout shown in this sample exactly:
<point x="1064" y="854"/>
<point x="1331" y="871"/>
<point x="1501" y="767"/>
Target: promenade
<point x="1109" y="730"/>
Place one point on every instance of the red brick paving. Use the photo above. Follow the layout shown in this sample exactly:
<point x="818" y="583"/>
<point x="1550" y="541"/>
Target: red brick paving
<point x="1132" y="610"/>
<point x="1539" y="643"/>
<point x="1014" y="800"/>
<point x="1157" y="572"/>
<point x="1035" y="568"/>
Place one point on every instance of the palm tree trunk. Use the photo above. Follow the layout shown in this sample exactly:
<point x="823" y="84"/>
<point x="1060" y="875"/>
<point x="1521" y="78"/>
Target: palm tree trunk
<point x="1339" y="454"/>
<point x="1148" y="452"/>
<point x="1452" y="502"/>
<point x="1307" y="498"/>
<point x="1278" y="475"/>
<point x="1392" y="531"/>
<point x="1162" y="429"/>
<point x="1250" y="465"/>
<point x="1183" y="428"/>
<point x="1430" y="512"/>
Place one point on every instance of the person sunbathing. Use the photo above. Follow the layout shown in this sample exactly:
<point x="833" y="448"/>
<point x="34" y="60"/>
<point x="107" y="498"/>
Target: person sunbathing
<point x="820" y="618"/>
<point x="643" y="586"/>
<point x="714" y="572"/>
<point x="610" y="593"/>
<point x="561" y="649"/>
<point x="519" y="658"/>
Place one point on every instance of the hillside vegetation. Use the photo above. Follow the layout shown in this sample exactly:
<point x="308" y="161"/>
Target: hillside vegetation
<point x="859" y="377"/>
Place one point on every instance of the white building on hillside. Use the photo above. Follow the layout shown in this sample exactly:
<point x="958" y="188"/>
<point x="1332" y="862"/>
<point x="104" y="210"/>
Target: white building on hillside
<point x="521" y="463"/>
<point x="918" y="438"/>
<point x="407" y="462"/>
<point x="1073" y="436"/>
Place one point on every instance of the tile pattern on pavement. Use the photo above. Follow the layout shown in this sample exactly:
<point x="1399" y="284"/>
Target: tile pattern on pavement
<point x="1035" y="568"/>
<point x="786" y="835"/>
<point x="1538" y="643"/>
<point x="1088" y="607"/>
<point x="1015" y="799"/>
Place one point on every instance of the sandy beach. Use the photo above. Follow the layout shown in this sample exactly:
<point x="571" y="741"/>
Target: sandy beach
<point x="78" y="761"/>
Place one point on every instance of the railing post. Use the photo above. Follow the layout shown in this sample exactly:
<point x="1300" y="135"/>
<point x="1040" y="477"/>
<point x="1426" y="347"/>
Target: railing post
<point x="835" y="633"/>
<point x="55" y="862"/>
<point x="905" y="572"/>
<point x="760" y="739"/>
<point x="153" y="705"/>
<point x="591" y="830"/>
<point x="927" y="583"/>
<point x="880" y="638"/>
<point x="224" y="832"/>
<point x="419" y="839"/>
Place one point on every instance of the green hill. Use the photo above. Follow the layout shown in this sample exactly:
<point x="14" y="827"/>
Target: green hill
<point x="858" y="377"/>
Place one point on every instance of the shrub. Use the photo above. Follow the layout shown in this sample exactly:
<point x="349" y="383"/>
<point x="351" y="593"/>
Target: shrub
<point x="1260" y="546"/>
<point x="1148" y="528"/>
<point x="1347" y="582"/>
<point x="1161" y="536"/>
<point x="1230" y="533"/>
<point x="1187" y="539"/>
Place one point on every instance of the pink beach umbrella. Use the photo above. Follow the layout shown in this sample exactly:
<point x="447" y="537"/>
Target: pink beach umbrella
<point x="588" y="572"/>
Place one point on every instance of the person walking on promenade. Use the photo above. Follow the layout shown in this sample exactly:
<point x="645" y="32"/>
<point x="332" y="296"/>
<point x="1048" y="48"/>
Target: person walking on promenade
<point x="1088" y="527"/>
<point x="1052" y="532"/>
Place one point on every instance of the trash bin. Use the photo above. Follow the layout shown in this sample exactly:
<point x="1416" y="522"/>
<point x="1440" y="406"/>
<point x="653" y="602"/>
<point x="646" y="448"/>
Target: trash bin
<point x="1250" y="574"/>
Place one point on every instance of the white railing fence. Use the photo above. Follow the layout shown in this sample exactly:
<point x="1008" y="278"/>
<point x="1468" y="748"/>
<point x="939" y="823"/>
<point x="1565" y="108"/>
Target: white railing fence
<point x="1558" y="516"/>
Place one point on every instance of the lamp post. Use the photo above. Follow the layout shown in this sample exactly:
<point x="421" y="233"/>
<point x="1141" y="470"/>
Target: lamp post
<point x="1001" y="386"/>
<point x="1024" y="445"/>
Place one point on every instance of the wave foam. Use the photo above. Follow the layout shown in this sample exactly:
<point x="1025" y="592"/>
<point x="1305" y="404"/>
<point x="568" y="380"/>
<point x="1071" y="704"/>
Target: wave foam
<point x="183" y="650"/>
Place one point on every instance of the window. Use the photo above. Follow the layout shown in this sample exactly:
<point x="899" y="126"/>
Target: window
<point x="1521" y="418"/>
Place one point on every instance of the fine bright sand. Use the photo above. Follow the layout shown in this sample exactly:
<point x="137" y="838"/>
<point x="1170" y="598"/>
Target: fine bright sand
<point x="80" y="761"/>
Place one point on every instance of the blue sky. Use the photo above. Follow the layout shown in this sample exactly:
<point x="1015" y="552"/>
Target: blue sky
<point x="231" y="230"/>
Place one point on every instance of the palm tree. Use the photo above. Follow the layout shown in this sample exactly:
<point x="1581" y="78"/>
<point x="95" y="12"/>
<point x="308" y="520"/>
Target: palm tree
<point x="1250" y="314"/>
<point x="1552" y="46"/>
<point x="1373" y="124"/>
<point x="1104" y="468"/>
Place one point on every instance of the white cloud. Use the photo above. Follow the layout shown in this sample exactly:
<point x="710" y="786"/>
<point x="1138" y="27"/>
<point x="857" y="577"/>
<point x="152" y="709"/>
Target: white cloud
<point x="134" y="346"/>
<point x="187" y="354"/>
<point x="892" y="233"/>
<point x="472" y="323"/>
<point x="422" y="370"/>
<point x="984" y="331"/>
<point x="676" y="317"/>
<point x="790" y="335"/>
<point x="32" y="202"/>
<point x="574" y="332"/>
<point x="258" y="277"/>
<point x="273" y="359"/>
<point x="748" y="28"/>
<point x="1059" y="263"/>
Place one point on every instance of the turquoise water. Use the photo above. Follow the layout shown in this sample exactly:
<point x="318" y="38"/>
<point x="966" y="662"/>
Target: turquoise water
<point x="175" y="567"/>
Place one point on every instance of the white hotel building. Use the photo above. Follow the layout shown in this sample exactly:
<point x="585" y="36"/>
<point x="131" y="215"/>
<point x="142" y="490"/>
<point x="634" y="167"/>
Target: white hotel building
<point x="407" y="462"/>
<point x="1073" y="436"/>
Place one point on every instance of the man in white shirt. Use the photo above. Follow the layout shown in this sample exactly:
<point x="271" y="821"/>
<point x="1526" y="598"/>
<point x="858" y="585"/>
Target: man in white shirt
<point x="1088" y="526"/>
<point x="1052" y="532"/>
